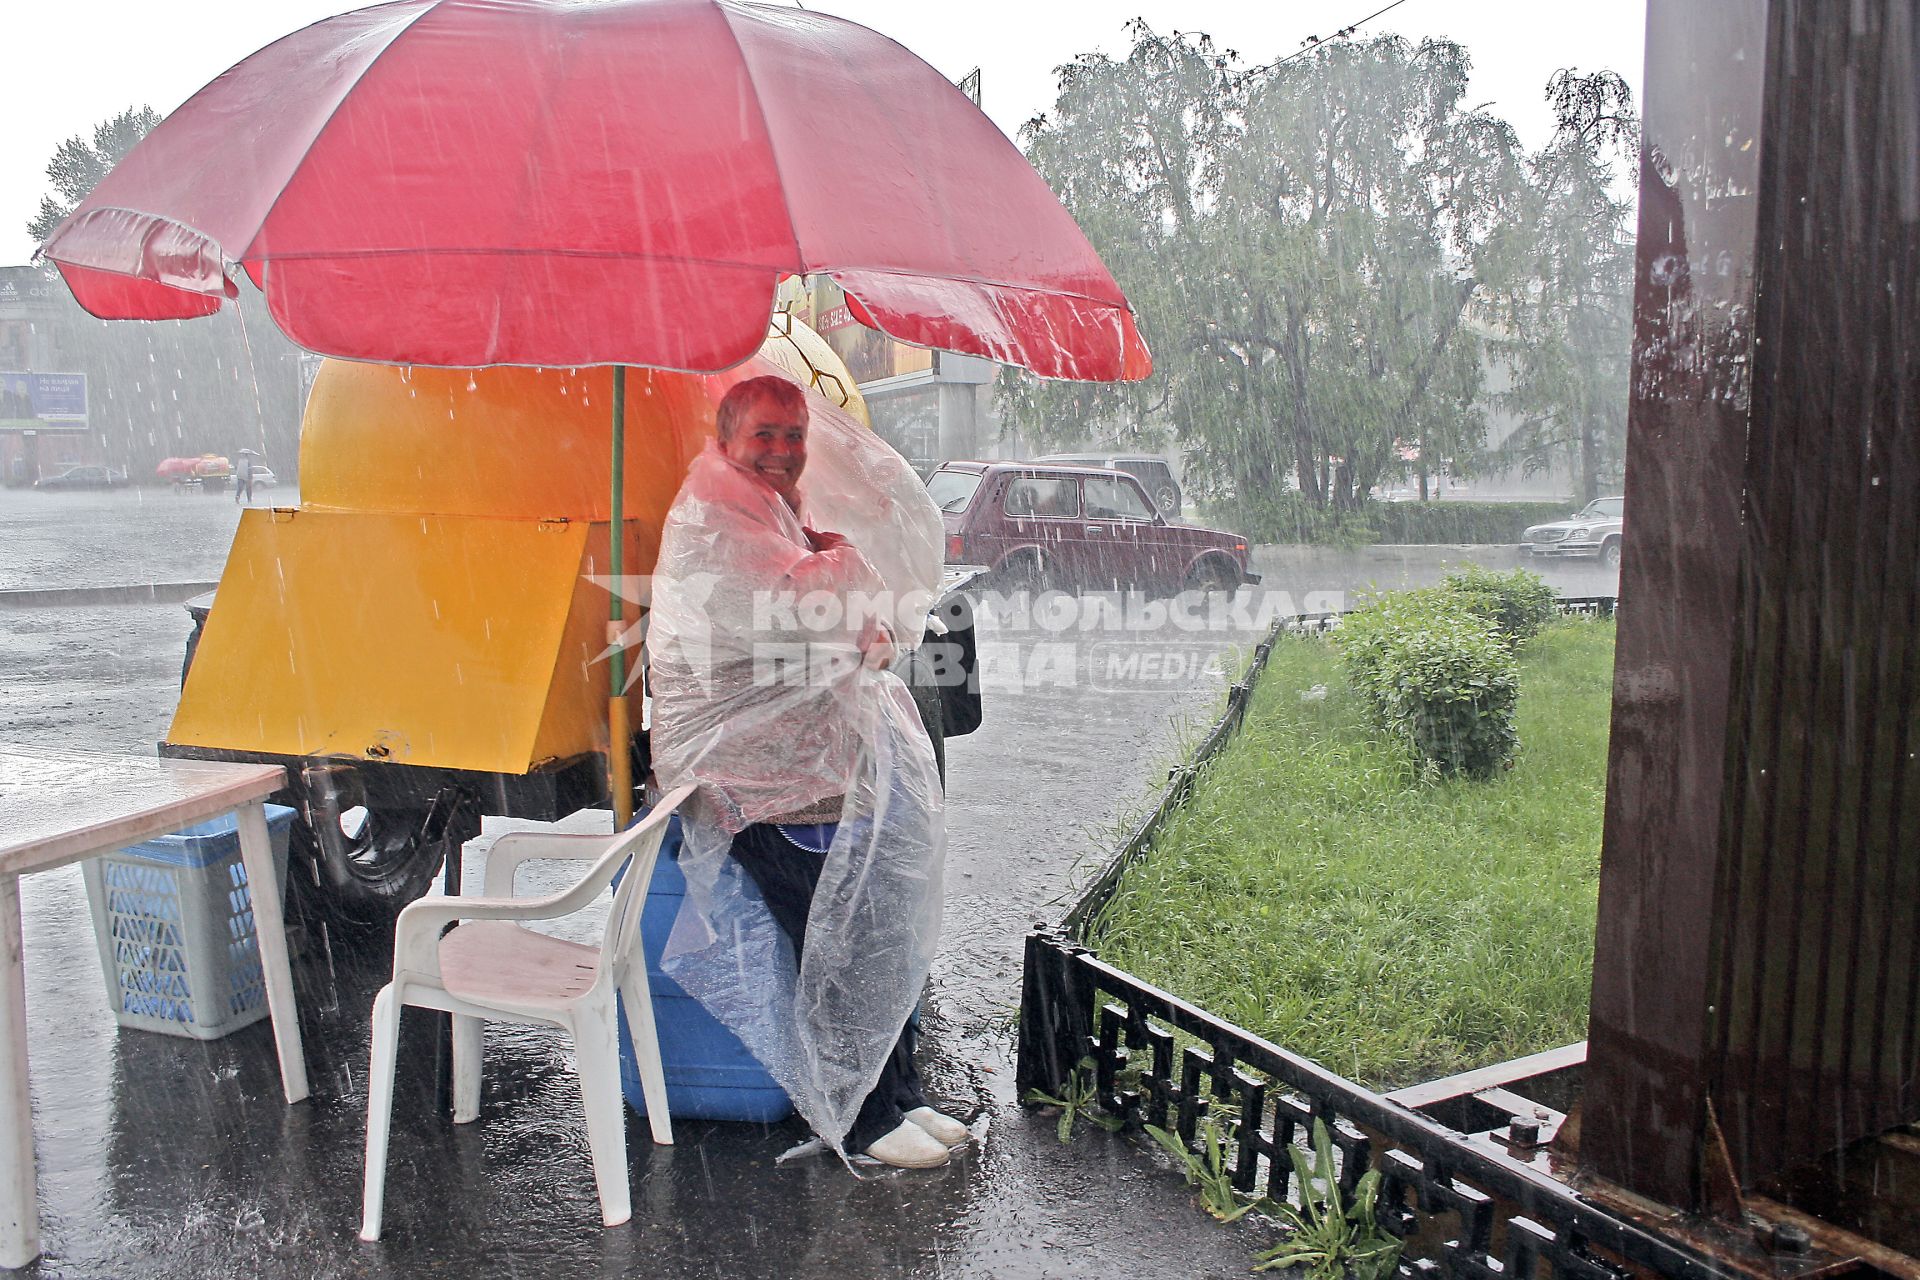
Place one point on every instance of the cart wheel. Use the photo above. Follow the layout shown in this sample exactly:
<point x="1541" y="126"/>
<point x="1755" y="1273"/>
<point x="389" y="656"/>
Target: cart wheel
<point x="193" y="647"/>
<point x="358" y="866"/>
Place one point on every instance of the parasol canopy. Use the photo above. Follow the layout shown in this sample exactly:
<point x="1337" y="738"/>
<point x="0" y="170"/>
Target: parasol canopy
<point x="546" y="182"/>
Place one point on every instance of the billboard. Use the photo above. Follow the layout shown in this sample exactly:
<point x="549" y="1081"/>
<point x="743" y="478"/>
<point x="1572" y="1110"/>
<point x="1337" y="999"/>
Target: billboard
<point x="29" y="293"/>
<point x="43" y="401"/>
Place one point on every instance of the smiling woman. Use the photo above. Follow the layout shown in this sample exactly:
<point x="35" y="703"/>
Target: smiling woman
<point x="762" y="426"/>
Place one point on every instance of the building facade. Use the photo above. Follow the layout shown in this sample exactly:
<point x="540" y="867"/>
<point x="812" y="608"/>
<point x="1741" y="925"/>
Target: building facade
<point x="127" y="394"/>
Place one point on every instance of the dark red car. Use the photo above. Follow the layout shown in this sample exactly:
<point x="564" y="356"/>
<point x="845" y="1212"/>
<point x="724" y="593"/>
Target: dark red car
<point x="1076" y="527"/>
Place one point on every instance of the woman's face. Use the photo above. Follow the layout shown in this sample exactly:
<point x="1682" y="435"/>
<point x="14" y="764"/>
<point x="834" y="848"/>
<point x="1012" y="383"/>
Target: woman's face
<point x="770" y="440"/>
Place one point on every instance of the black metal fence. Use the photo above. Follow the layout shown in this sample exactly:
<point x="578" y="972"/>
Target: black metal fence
<point x="1469" y="1208"/>
<point x="1473" y="1209"/>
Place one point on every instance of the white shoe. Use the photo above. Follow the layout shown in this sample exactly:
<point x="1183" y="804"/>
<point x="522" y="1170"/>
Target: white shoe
<point x="909" y="1147"/>
<point x="945" y="1130"/>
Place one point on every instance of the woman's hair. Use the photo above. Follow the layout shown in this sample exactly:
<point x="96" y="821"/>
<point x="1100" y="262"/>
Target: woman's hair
<point x="744" y="395"/>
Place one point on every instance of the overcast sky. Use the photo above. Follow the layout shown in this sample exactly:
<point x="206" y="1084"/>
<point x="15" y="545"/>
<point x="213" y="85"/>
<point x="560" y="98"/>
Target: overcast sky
<point x="75" y="62"/>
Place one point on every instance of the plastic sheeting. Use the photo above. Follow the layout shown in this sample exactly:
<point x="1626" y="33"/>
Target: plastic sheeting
<point x="760" y="697"/>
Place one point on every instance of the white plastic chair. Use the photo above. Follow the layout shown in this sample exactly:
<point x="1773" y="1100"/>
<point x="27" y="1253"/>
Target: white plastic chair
<point x="489" y="967"/>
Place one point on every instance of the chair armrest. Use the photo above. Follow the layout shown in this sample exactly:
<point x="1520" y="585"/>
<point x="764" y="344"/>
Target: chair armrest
<point x="507" y="854"/>
<point x="416" y="934"/>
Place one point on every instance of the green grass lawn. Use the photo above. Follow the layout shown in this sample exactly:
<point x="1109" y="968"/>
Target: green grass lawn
<point x="1316" y="892"/>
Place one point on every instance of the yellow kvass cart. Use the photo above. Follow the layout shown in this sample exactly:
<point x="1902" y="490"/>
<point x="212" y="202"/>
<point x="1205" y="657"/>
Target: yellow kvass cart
<point x="425" y="638"/>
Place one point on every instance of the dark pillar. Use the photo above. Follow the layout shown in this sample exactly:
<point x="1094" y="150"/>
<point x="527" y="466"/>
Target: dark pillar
<point x="1760" y="882"/>
<point x="1817" y="1004"/>
<point x="1686" y="437"/>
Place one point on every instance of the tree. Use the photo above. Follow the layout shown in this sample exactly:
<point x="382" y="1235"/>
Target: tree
<point x="1131" y="150"/>
<point x="1354" y="220"/>
<point x="1566" y="311"/>
<point x="221" y="383"/>
<point x="1302" y="244"/>
<point x="78" y="165"/>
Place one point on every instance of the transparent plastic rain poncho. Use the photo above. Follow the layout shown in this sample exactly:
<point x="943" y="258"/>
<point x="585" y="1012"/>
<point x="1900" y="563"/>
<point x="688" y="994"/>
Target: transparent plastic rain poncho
<point x="761" y="698"/>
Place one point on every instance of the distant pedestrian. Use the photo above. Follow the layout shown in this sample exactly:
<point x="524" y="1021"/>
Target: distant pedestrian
<point x="243" y="482"/>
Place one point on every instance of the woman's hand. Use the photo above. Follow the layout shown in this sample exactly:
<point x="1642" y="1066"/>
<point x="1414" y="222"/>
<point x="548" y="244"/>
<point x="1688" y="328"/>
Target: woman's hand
<point x="876" y="645"/>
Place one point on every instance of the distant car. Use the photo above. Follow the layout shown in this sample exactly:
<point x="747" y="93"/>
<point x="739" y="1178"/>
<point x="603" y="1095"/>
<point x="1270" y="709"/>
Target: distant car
<point x="83" y="477"/>
<point x="1150" y="470"/>
<point x="263" y="477"/>
<point x="1593" y="531"/>
<point x="1071" y="527"/>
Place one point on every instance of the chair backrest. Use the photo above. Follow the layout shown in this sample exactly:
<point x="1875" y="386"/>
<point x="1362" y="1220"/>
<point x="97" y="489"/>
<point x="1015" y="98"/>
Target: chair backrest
<point x="629" y="900"/>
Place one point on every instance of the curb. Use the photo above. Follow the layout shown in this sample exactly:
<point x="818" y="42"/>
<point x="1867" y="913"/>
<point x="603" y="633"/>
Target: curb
<point x="136" y="593"/>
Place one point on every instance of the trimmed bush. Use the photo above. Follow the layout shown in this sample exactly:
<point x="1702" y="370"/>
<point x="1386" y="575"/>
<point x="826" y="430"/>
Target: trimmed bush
<point x="1290" y="518"/>
<point x="1518" y="604"/>
<point x="1461" y="522"/>
<point x="1437" y="676"/>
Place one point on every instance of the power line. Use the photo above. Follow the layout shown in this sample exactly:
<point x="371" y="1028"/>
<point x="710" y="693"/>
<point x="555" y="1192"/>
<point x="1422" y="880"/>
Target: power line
<point x="1314" y="42"/>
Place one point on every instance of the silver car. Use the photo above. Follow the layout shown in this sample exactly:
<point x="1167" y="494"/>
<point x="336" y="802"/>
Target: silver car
<point x="1595" y="530"/>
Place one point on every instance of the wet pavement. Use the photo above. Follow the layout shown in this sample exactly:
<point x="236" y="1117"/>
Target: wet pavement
<point x="117" y="536"/>
<point x="165" y="1157"/>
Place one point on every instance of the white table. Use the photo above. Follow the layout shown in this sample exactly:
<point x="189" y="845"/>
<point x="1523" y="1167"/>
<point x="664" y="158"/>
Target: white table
<point x="58" y="807"/>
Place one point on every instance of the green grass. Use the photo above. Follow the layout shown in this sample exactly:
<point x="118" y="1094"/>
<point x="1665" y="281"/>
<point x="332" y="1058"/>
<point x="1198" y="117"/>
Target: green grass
<point x="1317" y="892"/>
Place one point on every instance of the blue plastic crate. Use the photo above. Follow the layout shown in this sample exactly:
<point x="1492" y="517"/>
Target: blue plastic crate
<point x="173" y="917"/>
<point x="710" y="1074"/>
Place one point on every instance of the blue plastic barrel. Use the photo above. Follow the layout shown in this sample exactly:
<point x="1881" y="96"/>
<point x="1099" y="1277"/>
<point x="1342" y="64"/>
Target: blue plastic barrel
<point x="710" y="1074"/>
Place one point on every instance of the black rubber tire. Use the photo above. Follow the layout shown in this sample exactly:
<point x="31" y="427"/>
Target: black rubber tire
<point x="1022" y="571"/>
<point x="1213" y="577"/>
<point x="193" y="647"/>
<point x="393" y="858"/>
<point x="1610" y="553"/>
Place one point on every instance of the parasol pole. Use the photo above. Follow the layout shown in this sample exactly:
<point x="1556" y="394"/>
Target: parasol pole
<point x="619" y="732"/>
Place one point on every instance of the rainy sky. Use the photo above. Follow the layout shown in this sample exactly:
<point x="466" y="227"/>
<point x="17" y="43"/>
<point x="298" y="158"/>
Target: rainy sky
<point x="77" y="62"/>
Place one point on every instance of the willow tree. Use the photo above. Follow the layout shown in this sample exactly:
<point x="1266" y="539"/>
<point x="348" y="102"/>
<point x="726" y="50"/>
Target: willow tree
<point x="1302" y="243"/>
<point x="1564" y="319"/>
<point x="1132" y="147"/>
<point x="1352" y="222"/>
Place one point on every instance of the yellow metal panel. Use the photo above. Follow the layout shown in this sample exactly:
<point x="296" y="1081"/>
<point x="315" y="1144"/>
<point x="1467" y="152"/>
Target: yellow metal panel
<point x="420" y="639"/>
<point x="503" y="441"/>
<point x="576" y="698"/>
